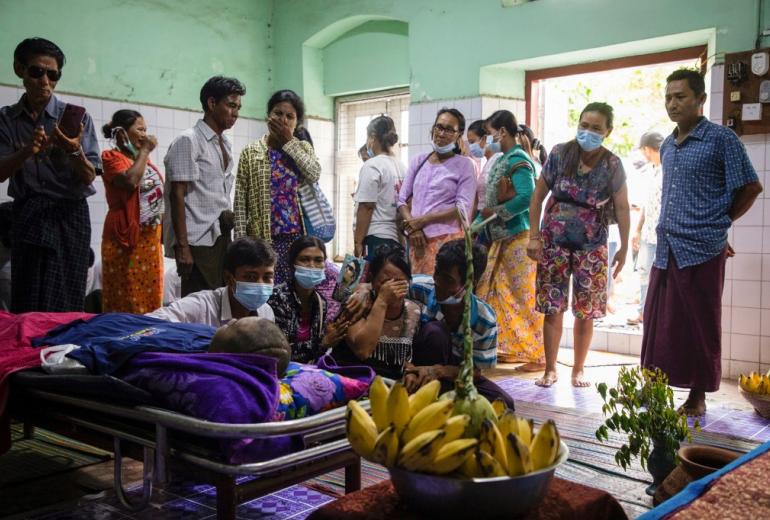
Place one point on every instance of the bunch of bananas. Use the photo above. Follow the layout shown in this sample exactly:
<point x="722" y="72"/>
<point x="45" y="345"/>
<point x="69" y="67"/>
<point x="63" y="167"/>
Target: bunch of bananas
<point x="755" y="383"/>
<point x="421" y="433"/>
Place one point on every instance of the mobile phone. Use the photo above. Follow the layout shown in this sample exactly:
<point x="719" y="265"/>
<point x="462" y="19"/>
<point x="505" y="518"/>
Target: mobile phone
<point x="70" y="120"/>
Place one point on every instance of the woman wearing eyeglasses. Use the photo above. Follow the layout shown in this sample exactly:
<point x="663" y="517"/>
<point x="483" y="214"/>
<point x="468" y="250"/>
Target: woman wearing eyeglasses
<point x="436" y="185"/>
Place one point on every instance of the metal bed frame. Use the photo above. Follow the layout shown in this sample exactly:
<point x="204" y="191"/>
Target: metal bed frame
<point x="159" y="437"/>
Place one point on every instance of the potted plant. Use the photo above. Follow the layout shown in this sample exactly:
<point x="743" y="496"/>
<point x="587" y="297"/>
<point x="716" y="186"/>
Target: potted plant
<point x="641" y="405"/>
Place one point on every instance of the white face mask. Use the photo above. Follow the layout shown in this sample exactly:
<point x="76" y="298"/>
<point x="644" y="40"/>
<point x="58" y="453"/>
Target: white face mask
<point x="443" y="149"/>
<point x="454" y="299"/>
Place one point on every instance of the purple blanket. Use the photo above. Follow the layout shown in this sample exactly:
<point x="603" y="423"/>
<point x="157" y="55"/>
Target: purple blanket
<point x="226" y="388"/>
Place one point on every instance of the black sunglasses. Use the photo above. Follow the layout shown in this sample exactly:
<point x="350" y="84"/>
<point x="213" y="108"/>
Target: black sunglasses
<point x="37" y="72"/>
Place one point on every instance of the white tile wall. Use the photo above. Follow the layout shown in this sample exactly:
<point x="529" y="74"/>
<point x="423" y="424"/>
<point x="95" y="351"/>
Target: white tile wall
<point x="422" y="115"/>
<point x="167" y="123"/>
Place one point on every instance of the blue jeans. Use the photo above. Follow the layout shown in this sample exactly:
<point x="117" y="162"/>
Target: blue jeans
<point x="644" y="262"/>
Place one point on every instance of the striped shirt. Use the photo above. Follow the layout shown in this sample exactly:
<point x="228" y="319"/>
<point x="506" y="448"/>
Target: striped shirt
<point x="195" y="157"/>
<point x="700" y="177"/>
<point x="483" y="322"/>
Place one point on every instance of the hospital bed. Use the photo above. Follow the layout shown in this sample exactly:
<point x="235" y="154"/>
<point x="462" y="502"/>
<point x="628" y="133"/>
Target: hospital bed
<point x="111" y="414"/>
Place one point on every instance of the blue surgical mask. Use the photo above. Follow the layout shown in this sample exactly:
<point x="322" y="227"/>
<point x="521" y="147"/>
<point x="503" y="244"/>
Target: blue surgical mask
<point x="369" y="152"/>
<point x="127" y="144"/>
<point x="454" y="299"/>
<point x="308" y="277"/>
<point x="492" y="146"/>
<point x="589" y="141"/>
<point x="253" y="295"/>
<point x="476" y="150"/>
<point x="441" y="150"/>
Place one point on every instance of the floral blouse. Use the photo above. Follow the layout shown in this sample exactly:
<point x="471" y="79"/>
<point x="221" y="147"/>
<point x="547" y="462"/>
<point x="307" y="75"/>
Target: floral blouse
<point x="287" y="309"/>
<point x="283" y="193"/>
<point x="573" y="216"/>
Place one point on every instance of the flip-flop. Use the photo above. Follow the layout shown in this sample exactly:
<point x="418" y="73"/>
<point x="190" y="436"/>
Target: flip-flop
<point x="550" y="380"/>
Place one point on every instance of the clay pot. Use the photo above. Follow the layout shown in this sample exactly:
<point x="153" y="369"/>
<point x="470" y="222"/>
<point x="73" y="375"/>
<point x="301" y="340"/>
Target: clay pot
<point x="696" y="461"/>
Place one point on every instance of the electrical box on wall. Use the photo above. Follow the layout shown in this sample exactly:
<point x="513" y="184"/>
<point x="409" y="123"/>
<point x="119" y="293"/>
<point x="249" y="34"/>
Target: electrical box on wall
<point x="746" y="88"/>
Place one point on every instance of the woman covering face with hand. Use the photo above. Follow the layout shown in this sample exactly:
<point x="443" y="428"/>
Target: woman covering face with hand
<point x="270" y="171"/>
<point x="383" y="338"/>
<point x="132" y="260"/>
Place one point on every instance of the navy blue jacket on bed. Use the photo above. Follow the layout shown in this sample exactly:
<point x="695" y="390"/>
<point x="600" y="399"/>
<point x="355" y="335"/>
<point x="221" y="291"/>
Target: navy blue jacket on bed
<point x="109" y="340"/>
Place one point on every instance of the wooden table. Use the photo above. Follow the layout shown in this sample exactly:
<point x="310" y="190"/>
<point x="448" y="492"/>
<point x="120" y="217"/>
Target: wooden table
<point x="564" y="500"/>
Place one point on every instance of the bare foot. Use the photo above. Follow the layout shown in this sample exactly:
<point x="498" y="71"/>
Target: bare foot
<point x="635" y="321"/>
<point x="548" y="379"/>
<point x="695" y="405"/>
<point x="611" y="307"/>
<point x="578" y="380"/>
<point x="530" y="367"/>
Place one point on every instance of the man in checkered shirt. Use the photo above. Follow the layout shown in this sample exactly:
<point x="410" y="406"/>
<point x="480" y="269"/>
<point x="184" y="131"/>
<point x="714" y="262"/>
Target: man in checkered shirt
<point x="199" y="178"/>
<point x="708" y="183"/>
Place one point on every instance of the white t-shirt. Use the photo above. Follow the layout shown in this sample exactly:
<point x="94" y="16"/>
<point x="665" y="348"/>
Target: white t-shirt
<point x="206" y="307"/>
<point x="379" y="182"/>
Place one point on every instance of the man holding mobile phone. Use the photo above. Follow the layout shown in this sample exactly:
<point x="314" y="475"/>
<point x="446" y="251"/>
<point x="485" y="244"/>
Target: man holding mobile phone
<point x="199" y="173"/>
<point x="51" y="166"/>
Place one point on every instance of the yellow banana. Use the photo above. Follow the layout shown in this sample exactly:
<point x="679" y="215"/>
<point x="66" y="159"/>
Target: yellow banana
<point x="398" y="407"/>
<point x="361" y="430"/>
<point x="480" y="464"/>
<point x="378" y="398"/>
<point x="517" y="454"/>
<point x="499" y="406"/>
<point x="512" y="423"/>
<point x="492" y="442"/>
<point x="455" y="426"/>
<point x="432" y="417"/>
<point x="386" y="447"/>
<point x="418" y="454"/>
<point x="754" y="381"/>
<point x="452" y="455"/>
<point x="743" y="381"/>
<point x="545" y="446"/>
<point x="424" y="396"/>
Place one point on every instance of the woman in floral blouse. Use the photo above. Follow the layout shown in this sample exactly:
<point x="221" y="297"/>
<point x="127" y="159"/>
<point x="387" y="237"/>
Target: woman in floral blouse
<point x="269" y="172"/>
<point x="585" y="181"/>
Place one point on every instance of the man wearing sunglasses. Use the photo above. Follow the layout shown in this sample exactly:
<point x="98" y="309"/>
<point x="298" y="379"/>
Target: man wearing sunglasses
<point x="50" y="175"/>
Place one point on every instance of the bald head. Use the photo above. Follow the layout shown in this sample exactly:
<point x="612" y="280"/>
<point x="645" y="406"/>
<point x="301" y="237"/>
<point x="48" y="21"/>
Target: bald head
<point x="252" y="335"/>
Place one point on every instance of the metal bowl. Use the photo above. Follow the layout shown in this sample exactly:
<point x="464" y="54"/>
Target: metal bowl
<point x="499" y="497"/>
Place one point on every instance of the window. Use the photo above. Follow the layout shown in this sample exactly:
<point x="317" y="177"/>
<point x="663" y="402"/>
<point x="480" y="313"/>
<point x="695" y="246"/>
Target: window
<point x="353" y="116"/>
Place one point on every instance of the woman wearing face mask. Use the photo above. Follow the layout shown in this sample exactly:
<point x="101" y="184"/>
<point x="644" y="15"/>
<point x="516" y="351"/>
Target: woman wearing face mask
<point x="436" y="185"/>
<point x="377" y="193"/>
<point x="485" y="157"/>
<point x="508" y="283"/>
<point x="383" y="338"/>
<point x="269" y="172"/>
<point x="298" y="307"/>
<point x="132" y="259"/>
<point x="583" y="177"/>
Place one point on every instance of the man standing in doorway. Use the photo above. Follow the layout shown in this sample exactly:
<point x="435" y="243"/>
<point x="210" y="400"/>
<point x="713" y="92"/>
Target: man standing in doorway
<point x="199" y="166"/>
<point x="645" y="239"/>
<point x="708" y="183"/>
<point x="50" y="175"/>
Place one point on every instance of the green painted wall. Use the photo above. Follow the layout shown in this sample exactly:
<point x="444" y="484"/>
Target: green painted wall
<point x="451" y="40"/>
<point x="373" y="56"/>
<point x="148" y="51"/>
<point x="161" y="51"/>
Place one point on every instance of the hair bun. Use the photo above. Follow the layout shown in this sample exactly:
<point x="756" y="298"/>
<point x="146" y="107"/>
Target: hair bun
<point x="391" y="138"/>
<point x="107" y="130"/>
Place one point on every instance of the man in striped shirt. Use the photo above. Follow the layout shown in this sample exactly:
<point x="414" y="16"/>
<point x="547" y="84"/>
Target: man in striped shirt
<point x="438" y="347"/>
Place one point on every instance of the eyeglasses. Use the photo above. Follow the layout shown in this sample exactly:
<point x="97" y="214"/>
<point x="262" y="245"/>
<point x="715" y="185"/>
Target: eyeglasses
<point x="37" y="72"/>
<point x="448" y="130"/>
